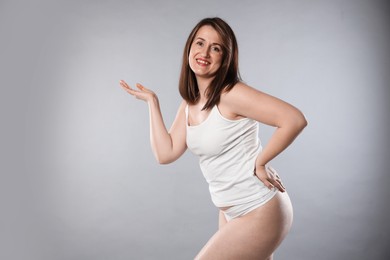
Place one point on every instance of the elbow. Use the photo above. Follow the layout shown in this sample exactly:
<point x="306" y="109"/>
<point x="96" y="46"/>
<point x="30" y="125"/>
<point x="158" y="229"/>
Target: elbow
<point x="301" y="121"/>
<point x="294" y="123"/>
<point x="163" y="160"/>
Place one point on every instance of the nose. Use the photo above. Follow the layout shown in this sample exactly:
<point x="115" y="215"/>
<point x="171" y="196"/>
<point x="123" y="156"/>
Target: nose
<point x="205" y="52"/>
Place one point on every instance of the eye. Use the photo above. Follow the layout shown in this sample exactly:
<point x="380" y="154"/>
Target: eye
<point x="199" y="43"/>
<point x="216" y="49"/>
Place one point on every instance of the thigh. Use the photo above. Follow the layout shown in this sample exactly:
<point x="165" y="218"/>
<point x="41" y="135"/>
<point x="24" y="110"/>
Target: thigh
<point x="255" y="235"/>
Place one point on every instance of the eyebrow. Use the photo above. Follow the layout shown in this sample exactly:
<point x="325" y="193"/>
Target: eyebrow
<point x="215" y="43"/>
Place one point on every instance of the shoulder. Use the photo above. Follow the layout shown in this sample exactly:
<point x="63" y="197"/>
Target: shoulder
<point x="237" y="100"/>
<point x="239" y="94"/>
<point x="182" y="108"/>
<point x="246" y="101"/>
<point x="183" y="104"/>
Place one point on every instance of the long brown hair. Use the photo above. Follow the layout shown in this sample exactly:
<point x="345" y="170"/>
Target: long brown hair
<point x="227" y="75"/>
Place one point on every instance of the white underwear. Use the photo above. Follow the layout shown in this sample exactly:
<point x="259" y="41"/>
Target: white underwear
<point x="242" y="209"/>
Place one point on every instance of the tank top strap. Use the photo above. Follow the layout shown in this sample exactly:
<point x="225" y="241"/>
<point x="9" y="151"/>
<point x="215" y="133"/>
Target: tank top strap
<point x="186" y="111"/>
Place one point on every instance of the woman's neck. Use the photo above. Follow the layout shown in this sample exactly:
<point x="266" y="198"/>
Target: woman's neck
<point x="203" y="84"/>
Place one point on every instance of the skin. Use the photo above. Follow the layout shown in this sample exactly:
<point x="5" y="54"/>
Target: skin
<point x="206" y="55"/>
<point x="257" y="234"/>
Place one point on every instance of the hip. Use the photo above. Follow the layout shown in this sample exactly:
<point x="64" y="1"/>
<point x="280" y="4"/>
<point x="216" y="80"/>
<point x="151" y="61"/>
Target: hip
<point x="276" y="203"/>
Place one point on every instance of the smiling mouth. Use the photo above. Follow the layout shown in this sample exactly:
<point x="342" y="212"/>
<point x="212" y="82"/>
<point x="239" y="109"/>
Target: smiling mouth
<point x="203" y="62"/>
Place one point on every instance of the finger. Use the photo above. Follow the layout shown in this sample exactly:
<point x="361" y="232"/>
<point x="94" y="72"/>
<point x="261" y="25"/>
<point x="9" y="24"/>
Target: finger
<point x="280" y="181"/>
<point x="143" y="89"/>
<point x="272" y="170"/>
<point x="279" y="185"/>
<point x="268" y="184"/>
<point x="265" y="181"/>
<point x="129" y="90"/>
<point x="140" y="87"/>
<point x="123" y="83"/>
<point x="274" y="174"/>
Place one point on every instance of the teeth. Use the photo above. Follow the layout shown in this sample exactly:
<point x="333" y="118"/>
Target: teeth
<point x="203" y="62"/>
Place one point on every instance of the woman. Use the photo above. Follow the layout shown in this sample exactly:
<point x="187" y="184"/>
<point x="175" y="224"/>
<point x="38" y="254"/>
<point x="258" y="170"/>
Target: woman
<point x="218" y="121"/>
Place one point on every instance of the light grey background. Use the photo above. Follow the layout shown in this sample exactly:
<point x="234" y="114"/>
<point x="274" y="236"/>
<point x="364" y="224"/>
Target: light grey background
<point x="78" y="178"/>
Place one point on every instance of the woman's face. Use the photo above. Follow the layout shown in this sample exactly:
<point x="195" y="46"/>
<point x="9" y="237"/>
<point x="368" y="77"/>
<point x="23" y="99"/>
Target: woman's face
<point x="206" y="52"/>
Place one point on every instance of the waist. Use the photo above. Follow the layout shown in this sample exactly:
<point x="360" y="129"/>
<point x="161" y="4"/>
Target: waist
<point x="258" y="200"/>
<point x="243" y="191"/>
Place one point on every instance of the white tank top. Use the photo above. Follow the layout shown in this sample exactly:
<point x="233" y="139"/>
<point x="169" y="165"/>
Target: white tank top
<point x="227" y="151"/>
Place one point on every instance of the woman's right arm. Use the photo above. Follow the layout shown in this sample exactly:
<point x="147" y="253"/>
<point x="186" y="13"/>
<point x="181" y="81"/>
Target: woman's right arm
<point x="166" y="146"/>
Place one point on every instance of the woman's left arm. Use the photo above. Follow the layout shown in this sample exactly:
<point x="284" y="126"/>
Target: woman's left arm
<point x="289" y="121"/>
